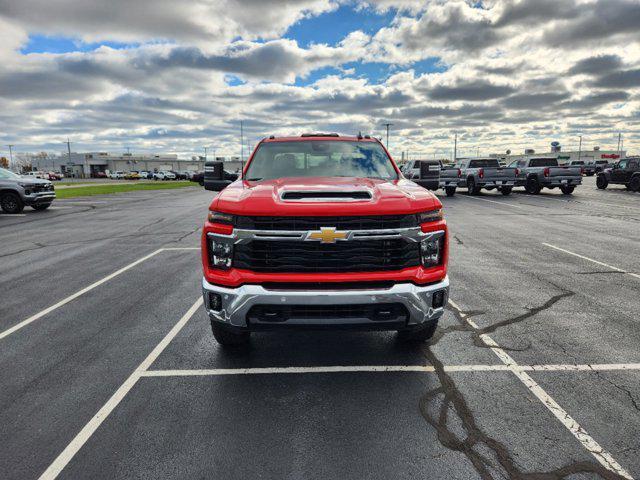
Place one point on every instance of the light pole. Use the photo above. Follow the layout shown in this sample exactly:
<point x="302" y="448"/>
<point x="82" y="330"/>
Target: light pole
<point x="10" y="155"/>
<point x="205" y="153"/>
<point x="387" y="125"/>
<point x="455" y="147"/>
<point x="580" y="148"/>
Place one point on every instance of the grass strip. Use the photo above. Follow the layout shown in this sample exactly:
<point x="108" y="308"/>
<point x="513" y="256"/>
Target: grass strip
<point x="105" y="189"/>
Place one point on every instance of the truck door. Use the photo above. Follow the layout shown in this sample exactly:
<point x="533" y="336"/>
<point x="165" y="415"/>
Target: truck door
<point x="632" y="167"/>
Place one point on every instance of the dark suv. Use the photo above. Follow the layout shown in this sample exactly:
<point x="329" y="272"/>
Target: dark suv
<point x="626" y="172"/>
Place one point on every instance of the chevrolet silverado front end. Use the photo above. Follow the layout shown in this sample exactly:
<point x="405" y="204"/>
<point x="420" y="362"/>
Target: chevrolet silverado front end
<point x="324" y="232"/>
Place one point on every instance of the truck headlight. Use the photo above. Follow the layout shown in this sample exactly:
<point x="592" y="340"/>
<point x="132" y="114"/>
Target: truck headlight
<point x="219" y="217"/>
<point x="432" y="216"/>
<point x="431" y="249"/>
<point x="221" y="252"/>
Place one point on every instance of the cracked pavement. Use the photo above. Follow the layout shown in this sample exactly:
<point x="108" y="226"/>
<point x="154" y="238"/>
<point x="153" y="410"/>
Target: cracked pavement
<point x="540" y="305"/>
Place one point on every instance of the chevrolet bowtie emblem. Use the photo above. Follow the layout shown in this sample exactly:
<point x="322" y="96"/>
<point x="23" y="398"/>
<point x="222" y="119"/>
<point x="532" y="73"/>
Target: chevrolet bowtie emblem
<point x="327" y="235"/>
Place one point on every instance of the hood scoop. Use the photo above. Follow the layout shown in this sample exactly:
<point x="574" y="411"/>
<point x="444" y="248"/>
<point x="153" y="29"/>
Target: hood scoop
<point x="326" y="196"/>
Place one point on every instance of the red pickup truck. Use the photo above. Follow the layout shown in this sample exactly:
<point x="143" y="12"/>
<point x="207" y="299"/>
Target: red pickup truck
<point x="323" y="231"/>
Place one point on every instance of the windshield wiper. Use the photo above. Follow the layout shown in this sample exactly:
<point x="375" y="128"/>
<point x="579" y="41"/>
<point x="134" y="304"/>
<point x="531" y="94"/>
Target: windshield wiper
<point x="254" y="179"/>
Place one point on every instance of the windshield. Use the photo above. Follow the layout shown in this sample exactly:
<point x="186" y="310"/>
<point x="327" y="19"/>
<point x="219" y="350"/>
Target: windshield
<point x="4" y="173"/>
<point x="320" y="158"/>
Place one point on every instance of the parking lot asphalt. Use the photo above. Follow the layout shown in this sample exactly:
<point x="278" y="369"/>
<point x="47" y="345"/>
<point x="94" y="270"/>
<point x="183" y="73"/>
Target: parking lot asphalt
<point x="109" y="368"/>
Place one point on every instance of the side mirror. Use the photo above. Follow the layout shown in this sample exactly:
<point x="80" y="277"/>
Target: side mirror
<point x="214" y="177"/>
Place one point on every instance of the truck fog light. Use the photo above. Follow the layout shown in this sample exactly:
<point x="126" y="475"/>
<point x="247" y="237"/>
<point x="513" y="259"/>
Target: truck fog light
<point x="215" y="302"/>
<point x="437" y="300"/>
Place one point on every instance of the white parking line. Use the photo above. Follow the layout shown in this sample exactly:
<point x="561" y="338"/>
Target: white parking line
<point x="508" y="365"/>
<point x="79" y="293"/>
<point x="601" y="367"/>
<point x="9" y="215"/>
<point x="593" y="447"/>
<point x="591" y="260"/>
<point x="81" y="438"/>
<point x="494" y="201"/>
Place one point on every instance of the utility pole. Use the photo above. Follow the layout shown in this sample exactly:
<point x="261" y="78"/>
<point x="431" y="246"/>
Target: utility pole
<point x="387" y="125"/>
<point x="477" y="152"/>
<point x="241" y="148"/>
<point x="455" y="147"/>
<point x="580" y="148"/>
<point x="128" y="150"/>
<point x="69" y="149"/>
<point x="10" y="154"/>
<point x="205" y="154"/>
<point x="619" y="140"/>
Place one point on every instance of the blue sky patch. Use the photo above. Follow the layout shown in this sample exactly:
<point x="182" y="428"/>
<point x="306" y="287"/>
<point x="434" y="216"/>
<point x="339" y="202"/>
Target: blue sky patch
<point x="59" y="44"/>
<point x="332" y="27"/>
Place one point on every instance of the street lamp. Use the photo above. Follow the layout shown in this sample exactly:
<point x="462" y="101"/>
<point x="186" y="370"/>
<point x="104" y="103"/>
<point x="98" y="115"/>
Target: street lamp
<point x="387" y="125"/>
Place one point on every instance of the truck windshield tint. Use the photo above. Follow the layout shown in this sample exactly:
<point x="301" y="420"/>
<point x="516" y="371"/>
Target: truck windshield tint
<point x="543" y="162"/>
<point x="484" y="164"/>
<point x="320" y="158"/>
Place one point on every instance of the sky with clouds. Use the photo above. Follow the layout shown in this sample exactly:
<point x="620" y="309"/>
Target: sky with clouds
<point x="162" y="75"/>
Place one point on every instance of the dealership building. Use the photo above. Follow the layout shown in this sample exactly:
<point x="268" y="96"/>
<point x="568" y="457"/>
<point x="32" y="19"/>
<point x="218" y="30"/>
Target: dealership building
<point x="587" y="156"/>
<point x="88" y="164"/>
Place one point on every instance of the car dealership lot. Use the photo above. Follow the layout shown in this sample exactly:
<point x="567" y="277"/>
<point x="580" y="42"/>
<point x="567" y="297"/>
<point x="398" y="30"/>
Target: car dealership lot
<point x="109" y="368"/>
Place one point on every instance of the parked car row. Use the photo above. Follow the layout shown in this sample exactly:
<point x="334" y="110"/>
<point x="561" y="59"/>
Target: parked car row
<point x="144" y="175"/>
<point x="474" y="174"/>
<point x="534" y="174"/>
<point x="43" y="175"/>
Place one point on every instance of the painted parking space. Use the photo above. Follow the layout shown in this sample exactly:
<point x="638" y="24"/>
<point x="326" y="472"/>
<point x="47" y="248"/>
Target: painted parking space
<point x="130" y="394"/>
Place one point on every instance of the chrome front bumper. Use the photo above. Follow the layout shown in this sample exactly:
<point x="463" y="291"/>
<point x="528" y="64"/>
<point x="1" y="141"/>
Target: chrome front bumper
<point x="236" y="302"/>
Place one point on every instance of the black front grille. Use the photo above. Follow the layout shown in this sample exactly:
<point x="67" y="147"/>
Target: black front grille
<point x="314" y="223"/>
<point x="349" y="256"/>
<point x="42" y="188"/>
<point x="380" y="312"/>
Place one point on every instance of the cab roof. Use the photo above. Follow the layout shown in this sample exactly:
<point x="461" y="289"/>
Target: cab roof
<point x="321" y="136"/>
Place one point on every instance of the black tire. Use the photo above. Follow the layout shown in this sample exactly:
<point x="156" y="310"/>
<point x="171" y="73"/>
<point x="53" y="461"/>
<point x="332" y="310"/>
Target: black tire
<point x="472" y="188"/>
<point x="450" y="191"/>
<point x="11" y="202"/>
<point x="228" y="337"/>
<point x="602" y="182"/>
<point x="634" y="184"/>
<point x="506" y="191"/>
<point x="567" y="189"/>
<point x="41" y="206"/>
<point x="418" y="334"/>
<point x="533" y="186"/>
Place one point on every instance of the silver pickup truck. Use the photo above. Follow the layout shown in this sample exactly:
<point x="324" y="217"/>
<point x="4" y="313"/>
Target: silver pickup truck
<point x="479" y="173"/>
<point x="17" y="191"/>
<point x="534" y="174"/>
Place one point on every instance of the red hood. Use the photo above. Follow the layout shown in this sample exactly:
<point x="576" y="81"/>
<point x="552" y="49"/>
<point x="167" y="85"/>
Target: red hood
<point x="395" y="197"/>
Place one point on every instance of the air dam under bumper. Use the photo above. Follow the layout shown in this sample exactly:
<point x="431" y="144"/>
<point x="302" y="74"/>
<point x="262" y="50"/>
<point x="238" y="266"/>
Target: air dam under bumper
<point x="237" y="302"/>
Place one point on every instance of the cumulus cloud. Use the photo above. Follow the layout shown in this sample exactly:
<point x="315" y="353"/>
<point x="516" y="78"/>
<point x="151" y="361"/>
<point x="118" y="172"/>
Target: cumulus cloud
<point x="508" y="71"/>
